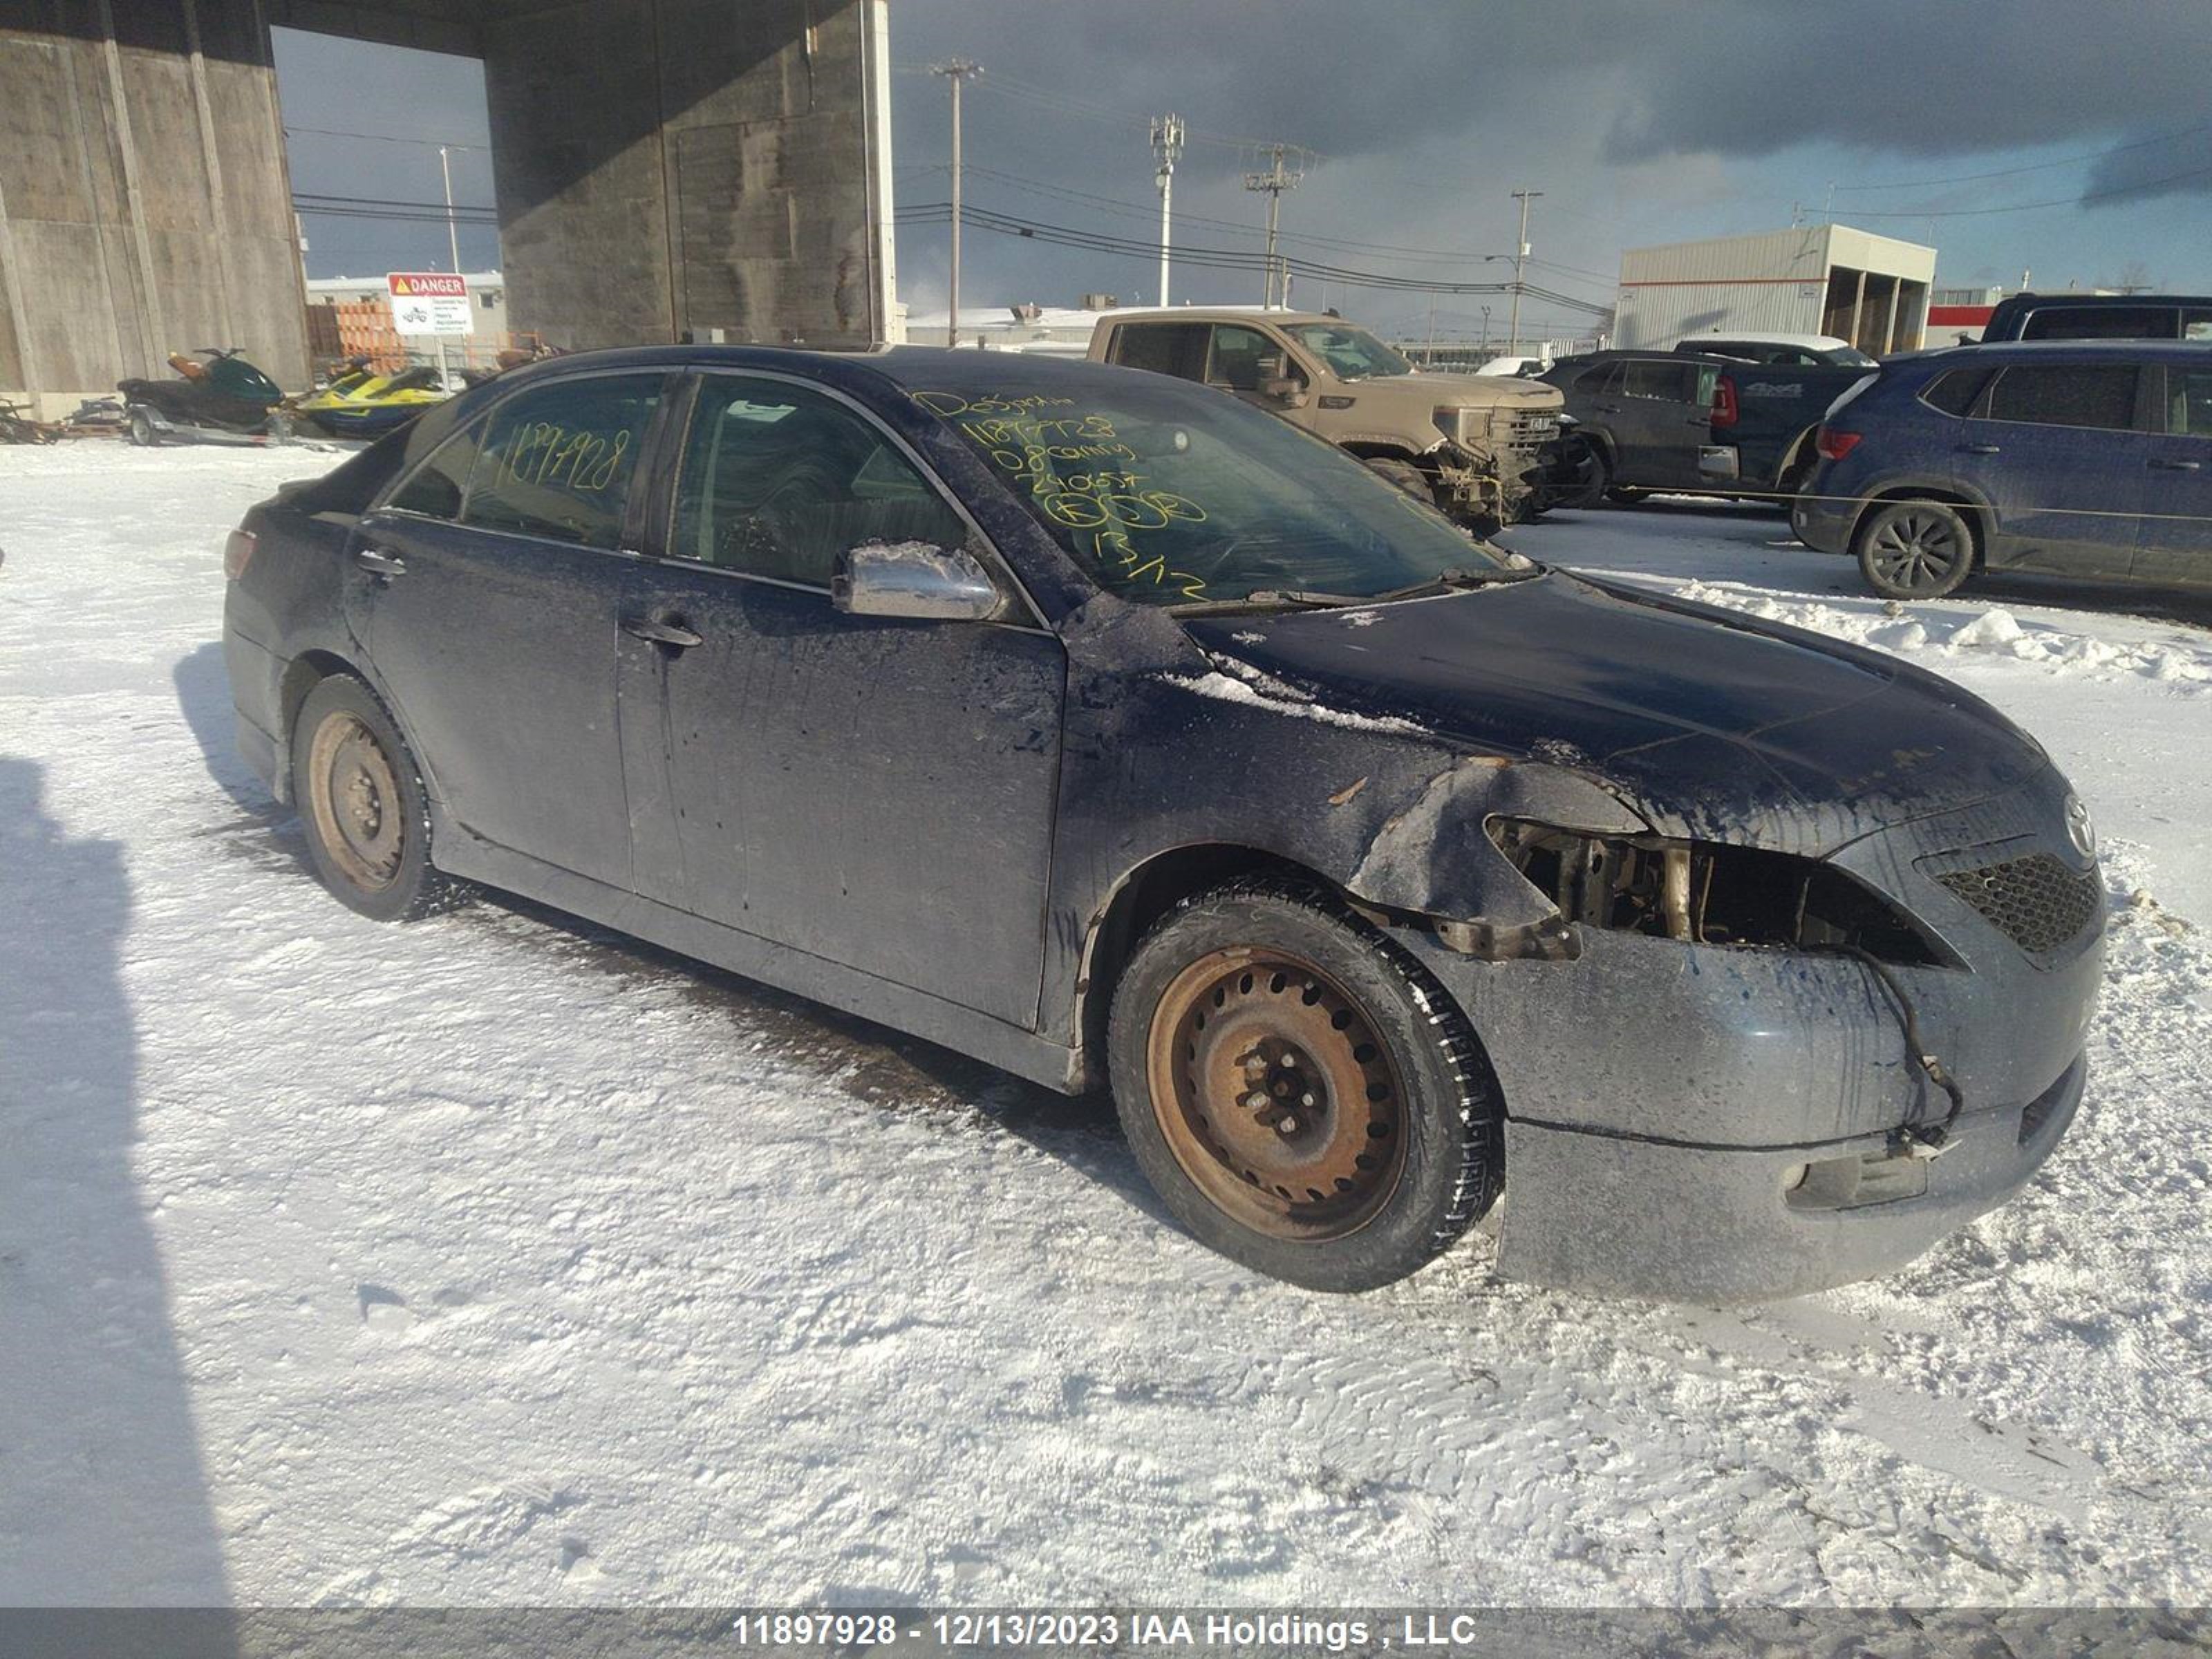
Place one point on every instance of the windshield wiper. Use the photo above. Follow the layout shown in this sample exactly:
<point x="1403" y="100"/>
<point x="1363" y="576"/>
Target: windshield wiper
<point x="1265" y="599"/>
<point x="1458" y="576"/>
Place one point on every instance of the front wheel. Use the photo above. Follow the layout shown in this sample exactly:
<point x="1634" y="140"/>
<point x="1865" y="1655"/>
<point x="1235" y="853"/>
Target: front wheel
<point x="1585" y="473"/>
<point x="1404" y="474"/>
<point x="363" y="804"/>
<point x="1299" y="1091"/>
<point x="1914" y="550"/>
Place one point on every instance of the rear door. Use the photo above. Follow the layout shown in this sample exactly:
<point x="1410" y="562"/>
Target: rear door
<point x="2058" y="451"/>
<point x="2174" y="540"/>
<point x="875" y="792"/>
<point x="1663" y="421"/>
<point x="494" y="577"/>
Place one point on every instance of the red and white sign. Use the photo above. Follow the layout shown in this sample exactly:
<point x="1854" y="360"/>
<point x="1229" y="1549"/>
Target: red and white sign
<point x="428" y="303"/>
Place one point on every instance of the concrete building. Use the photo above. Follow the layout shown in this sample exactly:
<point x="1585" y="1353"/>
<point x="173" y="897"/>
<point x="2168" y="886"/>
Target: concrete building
<point x="662" y="167"/>
<point x="1815" y="279"/>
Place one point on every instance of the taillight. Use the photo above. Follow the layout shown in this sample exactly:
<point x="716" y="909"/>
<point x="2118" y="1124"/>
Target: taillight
<point x="1724" y="401"/>
<point x="237" y="554"/>
<point x="1833" y="445"/>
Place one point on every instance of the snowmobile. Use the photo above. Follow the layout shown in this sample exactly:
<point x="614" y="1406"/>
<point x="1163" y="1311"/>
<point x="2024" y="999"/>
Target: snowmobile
<point x="217" y="398"/>
<point x="362" y="404"/>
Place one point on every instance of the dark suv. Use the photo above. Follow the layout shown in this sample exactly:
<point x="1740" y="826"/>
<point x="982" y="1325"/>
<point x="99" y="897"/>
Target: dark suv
<point x="2090" y="459"/>
<point x="2101" y="317"/>
<point x="1642" y="421"/>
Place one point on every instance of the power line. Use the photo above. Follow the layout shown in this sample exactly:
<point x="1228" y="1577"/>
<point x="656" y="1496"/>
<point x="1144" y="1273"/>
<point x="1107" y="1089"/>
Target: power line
<point x="2025" y="207"/>
<point x="2033" y="166"/>
<point x="385" y="138"/>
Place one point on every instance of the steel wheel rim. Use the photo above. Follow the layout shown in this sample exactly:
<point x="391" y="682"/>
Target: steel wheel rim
<point x="1915" y="551"/>
<point x="354" y="793"/>
<point x="1276" y="1094"/>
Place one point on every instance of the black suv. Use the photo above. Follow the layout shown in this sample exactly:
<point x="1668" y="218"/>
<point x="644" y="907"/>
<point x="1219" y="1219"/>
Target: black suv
<point x="1642" y="421"/>
<point x="2101" y="317"/>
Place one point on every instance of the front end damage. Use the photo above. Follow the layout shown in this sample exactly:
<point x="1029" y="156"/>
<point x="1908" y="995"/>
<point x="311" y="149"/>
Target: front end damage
<point x="1731" y="1073"/>
<point x="1495" y="462"/>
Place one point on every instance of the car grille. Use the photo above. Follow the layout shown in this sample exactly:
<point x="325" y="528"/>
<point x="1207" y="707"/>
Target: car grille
<point x="2035" y="902"/>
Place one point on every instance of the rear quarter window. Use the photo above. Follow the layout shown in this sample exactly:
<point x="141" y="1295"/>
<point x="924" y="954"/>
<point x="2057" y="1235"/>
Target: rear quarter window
<point x="1954" y="391"/>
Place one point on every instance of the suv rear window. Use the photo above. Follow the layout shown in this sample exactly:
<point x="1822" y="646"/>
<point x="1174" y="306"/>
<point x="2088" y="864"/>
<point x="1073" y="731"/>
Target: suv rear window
<point x="2099" y="323"/>
<point x="2101" y="395"/>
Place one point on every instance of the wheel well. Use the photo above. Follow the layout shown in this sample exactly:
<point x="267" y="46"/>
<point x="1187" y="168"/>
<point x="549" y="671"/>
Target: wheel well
<point x="1971" y="511"/>
<point x="1373" y="452"/>
<point x="307" y="669"/>
<point x="1148" y="893"/>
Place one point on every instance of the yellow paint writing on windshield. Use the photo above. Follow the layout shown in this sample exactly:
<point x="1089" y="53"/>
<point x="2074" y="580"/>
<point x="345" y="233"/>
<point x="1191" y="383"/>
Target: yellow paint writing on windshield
<point x="1039" y="446"/>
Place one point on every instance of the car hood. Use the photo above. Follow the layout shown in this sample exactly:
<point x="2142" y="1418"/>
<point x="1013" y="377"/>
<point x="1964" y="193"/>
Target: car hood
<point x="1711" y="724"/>
<point x="1477" y="391"/>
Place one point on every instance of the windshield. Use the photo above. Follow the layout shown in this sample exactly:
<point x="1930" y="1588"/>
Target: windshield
<point x="1170" y="494"/>
<point x="1352" y="353"/>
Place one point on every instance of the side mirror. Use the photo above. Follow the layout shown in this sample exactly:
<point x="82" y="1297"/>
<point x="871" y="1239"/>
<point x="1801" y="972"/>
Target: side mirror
<point x="916" y="581"/>
<point x="1290" y="393"/>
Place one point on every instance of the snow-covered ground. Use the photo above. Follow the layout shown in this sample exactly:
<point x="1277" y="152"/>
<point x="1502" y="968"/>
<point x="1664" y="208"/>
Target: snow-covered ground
<point x="497" y="1260"/>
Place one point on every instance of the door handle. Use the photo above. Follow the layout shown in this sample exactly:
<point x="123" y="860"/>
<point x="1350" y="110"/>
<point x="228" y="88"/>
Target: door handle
<point x="383" y="563"/>
<point x="1979" y="449"/>
<point x="2179" y="466"/>
<point x="676" y="638"/>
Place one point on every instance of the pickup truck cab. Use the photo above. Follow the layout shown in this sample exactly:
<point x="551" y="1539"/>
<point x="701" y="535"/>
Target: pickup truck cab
<point x="1478" y="446"/>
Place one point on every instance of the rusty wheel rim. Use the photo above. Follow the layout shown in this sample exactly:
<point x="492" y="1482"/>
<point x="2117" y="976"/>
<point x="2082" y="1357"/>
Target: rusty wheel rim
<point x="1276" y="1094"/>
<point x="354" y="793"/>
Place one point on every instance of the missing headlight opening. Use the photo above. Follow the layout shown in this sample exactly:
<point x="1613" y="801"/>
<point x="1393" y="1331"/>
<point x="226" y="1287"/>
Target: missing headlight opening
<point x="1710" y="893"/>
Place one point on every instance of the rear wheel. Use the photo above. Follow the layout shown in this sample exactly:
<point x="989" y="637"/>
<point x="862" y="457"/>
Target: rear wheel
<point x="1914" y="550"/>
<point x="1299" y="1091"/>
<point x="363" y="803"/>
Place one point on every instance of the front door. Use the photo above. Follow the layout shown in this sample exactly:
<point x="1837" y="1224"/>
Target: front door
<point x="2055" y="448"/>
<point x="876" y="791"/>
<point x="492" y="580"/>
<point x="2174" y="542"/>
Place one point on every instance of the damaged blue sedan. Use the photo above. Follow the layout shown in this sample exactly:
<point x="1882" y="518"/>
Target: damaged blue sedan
<point x="1115" y="731"/>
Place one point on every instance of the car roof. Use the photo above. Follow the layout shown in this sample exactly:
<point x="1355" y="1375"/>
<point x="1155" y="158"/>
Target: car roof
<point x="2102" y="301"/>
<point x="2196" y="352"/>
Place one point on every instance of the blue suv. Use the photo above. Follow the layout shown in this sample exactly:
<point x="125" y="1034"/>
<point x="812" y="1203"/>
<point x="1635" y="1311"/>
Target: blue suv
<point x="2078" y="458"/>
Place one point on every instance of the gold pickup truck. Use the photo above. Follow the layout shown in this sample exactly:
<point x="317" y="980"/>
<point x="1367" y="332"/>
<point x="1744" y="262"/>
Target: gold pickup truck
<point x="1481" y="447"/>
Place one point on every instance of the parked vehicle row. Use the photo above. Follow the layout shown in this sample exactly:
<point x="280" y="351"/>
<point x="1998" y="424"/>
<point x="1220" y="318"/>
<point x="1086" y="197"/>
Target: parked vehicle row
<point x="1112" y="730"/>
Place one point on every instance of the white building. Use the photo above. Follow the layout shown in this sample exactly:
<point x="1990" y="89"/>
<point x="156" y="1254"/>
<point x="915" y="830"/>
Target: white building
<point x="1814" y="279"/>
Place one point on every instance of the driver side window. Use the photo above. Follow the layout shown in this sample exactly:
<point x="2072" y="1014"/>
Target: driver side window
<point x="779" y="481"/>
<point x="1242" y="359"/>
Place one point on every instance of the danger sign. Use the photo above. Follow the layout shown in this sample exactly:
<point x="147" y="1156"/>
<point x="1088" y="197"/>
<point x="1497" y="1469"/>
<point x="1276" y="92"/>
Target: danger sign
<point x="428" y="303"/>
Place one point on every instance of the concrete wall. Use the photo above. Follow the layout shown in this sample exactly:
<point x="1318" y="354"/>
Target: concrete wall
<point x="673" y="166"/>
<point x="144" y="206"/>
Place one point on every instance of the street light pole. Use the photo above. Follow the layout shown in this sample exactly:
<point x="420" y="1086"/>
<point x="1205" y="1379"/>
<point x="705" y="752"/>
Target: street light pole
<point x="1167" y="145"/>
<point x="955" y="72"/>
<point x="1521" y="261"/>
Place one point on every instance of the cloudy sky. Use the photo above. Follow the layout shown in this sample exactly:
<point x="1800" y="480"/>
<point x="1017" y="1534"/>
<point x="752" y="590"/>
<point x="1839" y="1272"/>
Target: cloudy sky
<point x="2073" y="141"/>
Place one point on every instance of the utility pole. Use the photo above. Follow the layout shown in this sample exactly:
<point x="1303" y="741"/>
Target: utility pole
<point x="1167" y="147"/>
<point x="1521" y="261"/>
<point x="452" y="242"/>
<point x="1274" y="181"/>
<point x="956" y="70"/>
<point x="1485" y="334"/>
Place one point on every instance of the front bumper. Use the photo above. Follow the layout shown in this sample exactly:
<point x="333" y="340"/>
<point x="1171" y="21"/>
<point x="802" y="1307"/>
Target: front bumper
<point x="1712" y="1123"/>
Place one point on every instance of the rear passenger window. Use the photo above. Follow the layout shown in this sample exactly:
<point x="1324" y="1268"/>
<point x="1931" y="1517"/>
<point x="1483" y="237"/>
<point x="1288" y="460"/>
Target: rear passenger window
<point x="1954" y="392"/>
<point x="2099" y="323"/>
<point x="556" y="461"/>
<point x="439" y="484"/>
<point x="2053" y="394"/>
<point x="1674" y="382"/>
<point x="778" y="481"/>
<point x="1176" y="349"/>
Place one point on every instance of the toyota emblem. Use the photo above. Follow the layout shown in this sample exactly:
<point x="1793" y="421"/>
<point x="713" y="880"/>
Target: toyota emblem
<point x="2079" y="828"/>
